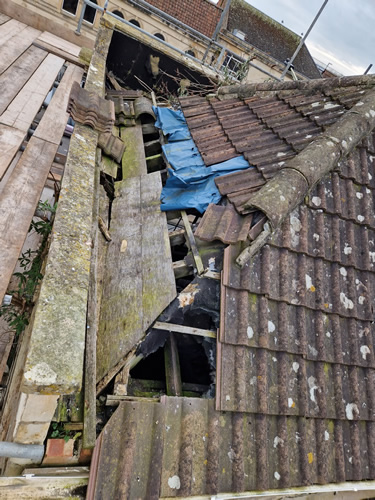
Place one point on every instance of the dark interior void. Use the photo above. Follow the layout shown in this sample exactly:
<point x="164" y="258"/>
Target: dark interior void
<point x="194" y="362"/>
<point x="128" y="58"/>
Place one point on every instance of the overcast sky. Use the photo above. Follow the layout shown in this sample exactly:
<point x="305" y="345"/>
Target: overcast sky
<point x="344" y="34"/>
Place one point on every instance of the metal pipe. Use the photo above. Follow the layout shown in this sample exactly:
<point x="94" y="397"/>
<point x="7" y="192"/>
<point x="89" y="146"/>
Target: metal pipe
<point x="368" y="69"/>
<point x="217" y="29"/>
<point x="302" y="41"/>
<point x="34" y="452"/>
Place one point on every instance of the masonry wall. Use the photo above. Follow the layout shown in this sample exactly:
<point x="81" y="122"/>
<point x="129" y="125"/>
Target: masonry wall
<point x="202" y="15"/>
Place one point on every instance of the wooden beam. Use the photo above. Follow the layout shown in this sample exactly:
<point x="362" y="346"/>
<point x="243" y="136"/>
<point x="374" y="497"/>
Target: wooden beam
<point x="10" y="142"/>
<point x="181" y="269"/>
<point x="192" y="243"/>
<point x="17" y="75"/>
<point x="177" y="237"/>
<point x="172" y="367"/>
<point x="22" y="110"/>
<point x="169" y="327"/>
<point x="15" y="46"/>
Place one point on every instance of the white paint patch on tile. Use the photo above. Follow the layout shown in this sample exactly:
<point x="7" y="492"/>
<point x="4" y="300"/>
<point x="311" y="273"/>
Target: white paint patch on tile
<point x="315" y="104"/>
<point x="326" y="436"/>
<point x="361" y="300"/>
<point x="343" y="271"/>
<point x="359" y="195"/>
<point x="370" y="177"/>
<point x="231" y="455"/>
<point x="312" y="350"/>
<point x="282" y="198"/>
<point x="309" y="283"/>
<point x="372" y="113"/>
<point x="274" y="359"/>
<point x="360" y="218"/>
<point x="316" y="236"/>
<point x="227" y="397"/>
<point x="277" y="441"/>
<point x="295" y="228"/>
<point x="313" y="387"/>
<point x="277" y="476"/>
<point x="351" y="410"/>
<point x="330" y="105"/>
<point x="174" y="482"/>
<point x="250" y="332"/>
<point x="372" y="256"/>
<point x="360" y="103"/>
<point x="316" y="200"/>
<point x="347" y="249"/>
<point x="290" y="403"/>
<point x="271" y="327"/>
<point x="364" y="351"/>
<point x="344" y="144"/>
<point x="345" y="301"/>
<point x="328" y="334"/>
<point x="308" y="136"/>
<point x="295" y="366"/>
<point x="279" y="155"/>
<point x="212" y="264"/>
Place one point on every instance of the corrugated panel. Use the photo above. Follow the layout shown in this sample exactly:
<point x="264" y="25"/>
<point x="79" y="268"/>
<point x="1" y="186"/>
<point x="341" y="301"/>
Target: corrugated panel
<point x="254" y="320"/>
<point x="223" y="223"/>
<point x="182" y="447"/>
<point x="299" y="279"/>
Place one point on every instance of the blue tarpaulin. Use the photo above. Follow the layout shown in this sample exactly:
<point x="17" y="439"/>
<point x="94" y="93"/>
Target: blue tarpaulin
<point x="190" y="183"/>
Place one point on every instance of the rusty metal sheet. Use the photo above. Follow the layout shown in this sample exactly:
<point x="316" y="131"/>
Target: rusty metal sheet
<point x="223" y="223"/>
<point x="182" y="447"/>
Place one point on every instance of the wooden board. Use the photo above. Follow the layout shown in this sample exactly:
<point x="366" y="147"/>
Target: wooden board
<point x="15" y="46"/>
<point x="59" y="43"/>
<point x="22" y="110"/>
<point x="52" y="127"/>
<point x="21" y="194"/>
<point x="10" y="29"/>
<point x="3" y="18"/>
<point x="16" y="76"/>
<point x="10" y="142"/>
<point x="139" y="281"/>
<point x="18" y="202"/>
<point x="134" y="159"/>
<point x="53" y="50"/>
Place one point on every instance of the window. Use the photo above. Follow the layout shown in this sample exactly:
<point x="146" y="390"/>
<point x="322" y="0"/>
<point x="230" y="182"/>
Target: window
<point x="190" y="53"/>
<point x="118" y="13"/>
<point x="90" y="13"/>
<point x="70" y="6"/>
<point x="160" y="36"/>
<point x="135" y="22"/>
<point x="234" y="66"/>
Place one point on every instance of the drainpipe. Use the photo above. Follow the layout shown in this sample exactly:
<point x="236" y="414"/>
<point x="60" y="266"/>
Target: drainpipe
<point x="218" y="28"/>
<point x="302" y="41"/>
<point x="34" y="452"/>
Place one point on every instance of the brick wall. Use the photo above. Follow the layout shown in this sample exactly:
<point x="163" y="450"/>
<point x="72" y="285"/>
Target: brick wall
<point x="202" y="15"/>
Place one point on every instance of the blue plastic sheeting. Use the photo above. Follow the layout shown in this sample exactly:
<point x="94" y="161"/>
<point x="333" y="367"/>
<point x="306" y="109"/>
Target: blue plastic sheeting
<point x="190" y="183"/>
<point x="172" y="123"/>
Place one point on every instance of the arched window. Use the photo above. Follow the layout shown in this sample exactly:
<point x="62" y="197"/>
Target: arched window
<point x="190" y="53"/>
<point x="160" y="36"/>
<point x="135" y="22"/>
<point x="118" y="13"/>
<point x="90" y="13"/>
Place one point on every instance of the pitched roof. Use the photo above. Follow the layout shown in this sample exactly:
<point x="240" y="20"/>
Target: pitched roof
<point x="270" y="36"/>
<point x="295" y="397"/>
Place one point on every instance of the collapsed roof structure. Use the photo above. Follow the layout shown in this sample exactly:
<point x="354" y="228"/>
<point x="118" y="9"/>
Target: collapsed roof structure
<point x="245" y="362"/>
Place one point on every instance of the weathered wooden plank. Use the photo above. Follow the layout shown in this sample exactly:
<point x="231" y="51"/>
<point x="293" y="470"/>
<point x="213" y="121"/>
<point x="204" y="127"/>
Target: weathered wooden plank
<point x="134" y="159"/>
<point x="3" y="18"/>
<point x="59" y="43"/>
<point x="169" y="327"/>
<point x="15" y="46"/>
<point x="66" y="278"/>
<point x="139" y="281"/>
<point x="16" y="76"/>
<point x="18" y="202"/>
<point x="61" y="53"/>
<point x="22" y="110"/>
<point x="172" y="367"/>
<point x="10" y="142"/>
<point x="56" y="116"/>
<point x="192" y="243"/>
<point x="10" y="29"/>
